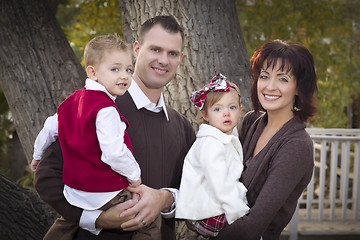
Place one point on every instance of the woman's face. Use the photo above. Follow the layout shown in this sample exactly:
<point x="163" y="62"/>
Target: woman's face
<point x="276" y="89"/>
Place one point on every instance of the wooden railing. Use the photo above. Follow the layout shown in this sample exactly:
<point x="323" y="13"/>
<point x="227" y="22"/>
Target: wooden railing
<point x="333" y="194"/>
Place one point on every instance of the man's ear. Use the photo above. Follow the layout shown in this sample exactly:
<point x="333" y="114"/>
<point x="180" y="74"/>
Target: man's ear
<point x="91" y="73"/>
<point x="136" y="48"/>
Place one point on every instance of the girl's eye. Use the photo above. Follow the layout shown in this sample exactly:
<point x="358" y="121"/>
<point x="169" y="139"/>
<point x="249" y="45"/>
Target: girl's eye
<point x="115" y="69"/>
<point x="129" y="70"/>
<point x="233" y="107"/>
<point x="217" y="109"/>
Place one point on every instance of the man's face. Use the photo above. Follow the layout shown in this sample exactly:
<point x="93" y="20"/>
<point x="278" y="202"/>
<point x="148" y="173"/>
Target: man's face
<point x="157" y="58"/>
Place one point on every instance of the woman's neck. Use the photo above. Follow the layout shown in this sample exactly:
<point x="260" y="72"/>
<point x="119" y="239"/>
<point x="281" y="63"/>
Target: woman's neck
<point x="277" y="120"/>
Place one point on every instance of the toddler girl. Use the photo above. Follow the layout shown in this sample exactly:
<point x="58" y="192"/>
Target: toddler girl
<point x="211" y="194"/>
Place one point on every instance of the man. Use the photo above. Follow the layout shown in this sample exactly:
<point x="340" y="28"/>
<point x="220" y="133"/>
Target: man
<point x="160" y="136"/>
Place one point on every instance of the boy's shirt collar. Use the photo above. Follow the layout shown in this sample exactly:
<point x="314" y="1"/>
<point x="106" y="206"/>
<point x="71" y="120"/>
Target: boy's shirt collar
<point x="93" y="85"/>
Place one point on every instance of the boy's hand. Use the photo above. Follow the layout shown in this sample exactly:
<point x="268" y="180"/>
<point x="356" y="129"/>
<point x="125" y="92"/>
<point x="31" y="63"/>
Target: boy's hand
<point x="135" y="184"/>
<point x="34" y="164"/>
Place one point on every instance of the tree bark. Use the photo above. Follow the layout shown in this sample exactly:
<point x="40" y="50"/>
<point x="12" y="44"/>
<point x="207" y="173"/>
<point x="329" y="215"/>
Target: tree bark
<point x="38" y="70"/>
<point x="213" y="43"/>
<point x="37" y="65"/>
<point x="23" y="214"/>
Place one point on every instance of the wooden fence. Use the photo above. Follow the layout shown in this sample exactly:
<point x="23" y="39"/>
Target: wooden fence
<point x="333" y="195"/>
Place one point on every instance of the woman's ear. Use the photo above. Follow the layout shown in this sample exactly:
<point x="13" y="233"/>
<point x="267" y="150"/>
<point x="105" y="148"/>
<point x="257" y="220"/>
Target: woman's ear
<point x="91" y="73"/>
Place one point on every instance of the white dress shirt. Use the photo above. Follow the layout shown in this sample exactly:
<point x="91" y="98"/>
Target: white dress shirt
<point x="110" y="132"/>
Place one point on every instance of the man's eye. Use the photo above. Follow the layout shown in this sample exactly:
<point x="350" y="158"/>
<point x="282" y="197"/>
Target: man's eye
<point x="174" y="54"/>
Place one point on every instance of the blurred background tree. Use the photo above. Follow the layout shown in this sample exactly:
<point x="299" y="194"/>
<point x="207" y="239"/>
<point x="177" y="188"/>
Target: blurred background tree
<point x="331" y="31"/>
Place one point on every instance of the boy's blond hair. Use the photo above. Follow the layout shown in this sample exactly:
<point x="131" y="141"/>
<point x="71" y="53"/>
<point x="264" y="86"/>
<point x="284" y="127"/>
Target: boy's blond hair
<point x="214" y="97"/>
<point x="97" y="47"/>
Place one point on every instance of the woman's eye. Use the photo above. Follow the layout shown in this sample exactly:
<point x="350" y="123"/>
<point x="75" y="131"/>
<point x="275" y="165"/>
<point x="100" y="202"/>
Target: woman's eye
<point x="283" y="80"/>
<point x="263" y="77"/>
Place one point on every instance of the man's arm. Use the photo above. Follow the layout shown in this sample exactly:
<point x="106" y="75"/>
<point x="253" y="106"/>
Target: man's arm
<point x="49" y="184"/>
<point x="151" y="203"/>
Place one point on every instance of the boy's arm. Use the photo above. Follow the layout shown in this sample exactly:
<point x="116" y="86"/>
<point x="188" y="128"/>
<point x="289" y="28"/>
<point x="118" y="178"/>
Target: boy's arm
<point x="110" y="131"/>
<point x="46" y="136"/>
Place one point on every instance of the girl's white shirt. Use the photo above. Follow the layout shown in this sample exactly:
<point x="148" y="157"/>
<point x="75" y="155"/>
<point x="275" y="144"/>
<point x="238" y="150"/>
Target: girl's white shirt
<point x="210" y="183"/>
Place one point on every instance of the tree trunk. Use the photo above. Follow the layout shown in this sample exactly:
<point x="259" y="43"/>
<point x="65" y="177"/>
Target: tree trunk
<point x="37" y="65"/>
<point x="38" y="70"/>
<point x="23" y="214"/>
<point x="213" y="43"/>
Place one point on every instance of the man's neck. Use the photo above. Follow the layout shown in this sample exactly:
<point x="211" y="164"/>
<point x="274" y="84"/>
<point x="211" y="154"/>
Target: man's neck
<point x="152" y="94"/>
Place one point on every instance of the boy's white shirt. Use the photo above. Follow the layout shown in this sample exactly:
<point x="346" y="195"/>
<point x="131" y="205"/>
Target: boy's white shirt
<point x="108" y="123"/>
<point x="88" y="217"/>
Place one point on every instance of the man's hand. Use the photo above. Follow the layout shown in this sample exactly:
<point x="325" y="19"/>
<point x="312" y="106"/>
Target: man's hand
<point x="111" y="218"/>
<point x="151" y="203"/>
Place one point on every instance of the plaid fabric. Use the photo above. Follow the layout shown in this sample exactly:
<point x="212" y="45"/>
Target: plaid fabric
<point x="209" y="227"/>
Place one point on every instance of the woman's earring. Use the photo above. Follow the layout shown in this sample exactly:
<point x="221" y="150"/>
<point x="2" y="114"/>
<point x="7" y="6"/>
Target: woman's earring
<point x="297" y="109"/>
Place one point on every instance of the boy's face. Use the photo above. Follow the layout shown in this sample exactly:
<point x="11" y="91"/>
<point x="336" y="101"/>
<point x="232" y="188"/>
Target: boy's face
<point x="157" y="57"/>
<point x="114" y="71"/>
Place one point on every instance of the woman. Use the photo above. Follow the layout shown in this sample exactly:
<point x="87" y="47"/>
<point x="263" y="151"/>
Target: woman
<point x="278" y="152"/>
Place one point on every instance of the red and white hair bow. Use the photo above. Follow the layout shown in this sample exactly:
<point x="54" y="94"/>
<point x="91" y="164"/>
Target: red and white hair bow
<point x="217" y="84"/>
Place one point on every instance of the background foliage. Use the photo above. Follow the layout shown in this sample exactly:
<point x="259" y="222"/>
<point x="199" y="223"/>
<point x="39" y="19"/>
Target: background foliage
<point x="329" y="28"/>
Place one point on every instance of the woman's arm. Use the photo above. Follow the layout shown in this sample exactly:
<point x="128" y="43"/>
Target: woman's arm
<point x="288" y="175"/>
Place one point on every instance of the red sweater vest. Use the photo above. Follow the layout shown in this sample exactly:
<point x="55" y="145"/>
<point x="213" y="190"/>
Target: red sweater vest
<point x="83" y="169"/>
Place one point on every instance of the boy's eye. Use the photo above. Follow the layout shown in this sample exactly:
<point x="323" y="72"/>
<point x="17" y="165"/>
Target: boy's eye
<point x="129" y="70"/>
<point x="155" y="50"/>
<point x="233" y="107"/>
<point x="115" y="69"/>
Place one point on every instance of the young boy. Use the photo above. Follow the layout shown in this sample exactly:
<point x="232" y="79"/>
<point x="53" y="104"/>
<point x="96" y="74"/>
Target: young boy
<point x="97" y="151"/>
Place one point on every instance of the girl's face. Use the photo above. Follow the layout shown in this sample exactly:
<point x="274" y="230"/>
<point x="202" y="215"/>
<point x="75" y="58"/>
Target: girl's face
<point x="276" y="90"/>
<point x="225" y="113"/>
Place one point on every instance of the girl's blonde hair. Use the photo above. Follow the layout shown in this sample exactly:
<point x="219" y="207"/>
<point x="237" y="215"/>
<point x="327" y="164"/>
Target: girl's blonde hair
<point x="214" y="97"/>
